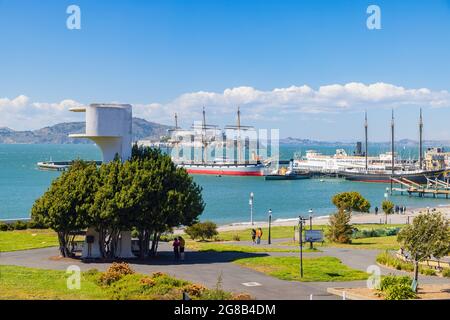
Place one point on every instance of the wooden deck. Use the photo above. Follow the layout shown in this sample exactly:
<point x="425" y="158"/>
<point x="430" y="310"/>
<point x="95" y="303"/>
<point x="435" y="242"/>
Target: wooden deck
<point x="434" y="187"/>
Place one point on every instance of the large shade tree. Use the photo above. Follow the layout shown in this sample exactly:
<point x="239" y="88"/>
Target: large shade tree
<point x="428" y="236"/>
<point x="64" y="206"/>
<point x="167" y="196"/>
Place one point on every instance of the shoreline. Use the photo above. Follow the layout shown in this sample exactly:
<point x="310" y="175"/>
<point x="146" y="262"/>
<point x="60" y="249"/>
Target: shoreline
<point x="357" y="218"/>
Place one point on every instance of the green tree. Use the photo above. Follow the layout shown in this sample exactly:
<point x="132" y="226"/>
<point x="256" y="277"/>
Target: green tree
<point x="351" y="201"/>
<point x="428" y="236"/>
<point x="340" y="230"/>
<point x="203" y="230"/>
<point x="388" y="208"/>
<point x="167" y="196"/>
<point x="63" y="207"/>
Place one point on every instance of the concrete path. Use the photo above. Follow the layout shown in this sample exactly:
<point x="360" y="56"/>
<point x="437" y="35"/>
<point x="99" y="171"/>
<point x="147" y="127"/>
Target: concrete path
<point x="207" y="267"/>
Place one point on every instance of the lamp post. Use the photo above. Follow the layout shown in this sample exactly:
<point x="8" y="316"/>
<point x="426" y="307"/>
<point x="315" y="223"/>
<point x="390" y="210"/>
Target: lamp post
<point x="301" y="221"/>
<point x="250" y="202"/>
<point x="270" y="222"/>
<point x="310" y="226"/>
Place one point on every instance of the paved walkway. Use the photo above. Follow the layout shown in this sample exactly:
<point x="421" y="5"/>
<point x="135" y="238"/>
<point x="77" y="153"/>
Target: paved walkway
<point x="207" y="267"/>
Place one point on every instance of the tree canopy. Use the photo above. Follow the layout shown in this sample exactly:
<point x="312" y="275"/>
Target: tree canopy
<point x="351" y="201"/>
<point x="428" y="236"/>
<point x="148" y="193"/>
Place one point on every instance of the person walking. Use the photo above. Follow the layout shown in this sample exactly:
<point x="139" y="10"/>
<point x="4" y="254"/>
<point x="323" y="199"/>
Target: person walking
<point x="259" y="234"/>
<point x="376" y="210"/>
<point x="176" y="248"/>
<point x="253" y="235"/>
<point x="182" y="244"/>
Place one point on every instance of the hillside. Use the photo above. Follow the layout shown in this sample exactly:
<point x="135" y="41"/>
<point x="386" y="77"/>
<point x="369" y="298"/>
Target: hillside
<point x="58" y="134"/>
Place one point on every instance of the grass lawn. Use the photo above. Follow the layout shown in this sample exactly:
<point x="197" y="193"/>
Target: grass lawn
<point x="223" y="247"/>
<point x="314" y="269"/>
<point x="39" y="284"/>
<point x="284" y="232"/>
<point x="27" y="239"/>
<point x="379" y="243"/>
<point x="29" y="283"/>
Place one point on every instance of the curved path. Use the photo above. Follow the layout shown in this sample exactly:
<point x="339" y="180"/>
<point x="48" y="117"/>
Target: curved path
<point x="207" y="267"/>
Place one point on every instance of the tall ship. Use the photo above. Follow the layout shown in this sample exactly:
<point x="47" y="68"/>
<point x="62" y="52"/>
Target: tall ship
<point x="212" y="138"/>
<point x="384" y="171"/>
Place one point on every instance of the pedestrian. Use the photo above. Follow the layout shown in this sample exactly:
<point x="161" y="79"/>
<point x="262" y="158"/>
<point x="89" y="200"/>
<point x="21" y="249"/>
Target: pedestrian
<point x="253" y="235"/>
<point x="376" y="210"/>
<point x="396" y="209"/>
<point x="176" y="248"/>
<point x="404" y="209"/>
<point x="182" y="244"/>
<point x="259" y="234"/>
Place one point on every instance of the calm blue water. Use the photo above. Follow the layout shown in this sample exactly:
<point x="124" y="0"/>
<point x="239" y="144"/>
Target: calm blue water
<point x="226" y="197"/>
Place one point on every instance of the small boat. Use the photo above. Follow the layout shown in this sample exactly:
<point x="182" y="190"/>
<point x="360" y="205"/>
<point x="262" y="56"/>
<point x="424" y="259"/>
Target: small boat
<point x="290" y="176"/>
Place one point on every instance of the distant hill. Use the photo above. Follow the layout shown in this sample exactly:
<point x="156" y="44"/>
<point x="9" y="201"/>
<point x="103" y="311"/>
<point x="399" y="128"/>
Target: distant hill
<point x="58" y="133"/>
<point x="402" y="142"/>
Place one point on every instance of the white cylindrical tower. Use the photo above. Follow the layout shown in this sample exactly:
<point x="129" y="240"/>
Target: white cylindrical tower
<point x="109" y="126"/>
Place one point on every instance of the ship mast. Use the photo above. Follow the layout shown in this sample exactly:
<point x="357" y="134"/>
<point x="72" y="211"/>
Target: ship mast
<point x="239" y="135"/>
<point x="420" y="140"/>
<point x="204" y="136"/>
<point x="238" y="127"/>
<point x="392" y="141"/>
<point x="366" y="125"/>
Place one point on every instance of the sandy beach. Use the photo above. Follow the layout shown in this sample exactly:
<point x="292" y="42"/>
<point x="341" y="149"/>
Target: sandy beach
<point x="357" y="218"/>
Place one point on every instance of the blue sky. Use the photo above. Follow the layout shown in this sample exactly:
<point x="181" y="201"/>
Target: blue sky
<point x="167" y="56"/>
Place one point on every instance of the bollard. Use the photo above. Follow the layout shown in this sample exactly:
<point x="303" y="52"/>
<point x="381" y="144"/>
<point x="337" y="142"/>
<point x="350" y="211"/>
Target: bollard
<point x="343" y="295"/>
<point x="310" y="297"/>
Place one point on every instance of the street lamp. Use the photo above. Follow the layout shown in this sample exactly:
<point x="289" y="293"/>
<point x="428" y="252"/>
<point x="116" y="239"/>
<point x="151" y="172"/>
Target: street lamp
<point x="270" y="222"/>
<point x="301" y="221"/>
<point x="250" y="202"/>
<point x="310" y="225"/>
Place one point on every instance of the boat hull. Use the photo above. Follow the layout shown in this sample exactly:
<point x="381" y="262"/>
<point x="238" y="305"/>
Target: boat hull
<point x="256" y="170"/>
<point x="420" y="178"/>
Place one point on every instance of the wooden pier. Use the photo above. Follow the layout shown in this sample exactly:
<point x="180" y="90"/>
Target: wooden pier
<point x="434" y="187"/>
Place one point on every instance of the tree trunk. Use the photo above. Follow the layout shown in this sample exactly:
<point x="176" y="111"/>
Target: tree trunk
<point x="141" y="237"/>
<point x="416" y="273"/>
<point x="62" y="244"/>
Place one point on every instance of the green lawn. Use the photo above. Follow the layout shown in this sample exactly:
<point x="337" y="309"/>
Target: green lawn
<point x="285" y="232"/>
<point x="27" y="239"/>
<point x="28" y="283"/>
<point x="314" y="269"/>
<point x="39" y="284"/>
<point x="378" y="243"/>
<point x="226" y="247"/>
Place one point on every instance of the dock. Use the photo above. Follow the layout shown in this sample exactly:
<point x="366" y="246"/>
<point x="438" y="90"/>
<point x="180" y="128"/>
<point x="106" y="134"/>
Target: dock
<point x="434" y="187"/>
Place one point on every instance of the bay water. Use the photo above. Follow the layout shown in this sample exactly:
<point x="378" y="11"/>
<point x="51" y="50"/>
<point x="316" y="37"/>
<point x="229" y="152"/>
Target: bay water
<point x="226" y="198"/>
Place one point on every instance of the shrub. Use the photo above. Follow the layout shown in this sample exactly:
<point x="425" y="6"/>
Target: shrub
<point x="147" y="282"/>
<point x="20" y="225"/>
<point x="115" y="272"/>
<point x="385" y="258"/>
<point x="194" y="290"/>
<point x="202" y="230"/>
<point x="3" y="226"/>
<point x="427" y="271"/>
<point x="158" y="274"/>
<point x="242" y="296"/>
<point x="167" y="237"/>
<point x="32" y="224"/>
<point x="236" y="237"/>
<point x="446" y="272"/>
<point x="397" y="288"/>
<point x="340" y="229"/>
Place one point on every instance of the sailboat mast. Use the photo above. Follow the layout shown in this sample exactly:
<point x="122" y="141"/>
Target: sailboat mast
<point x="176" y="121"/>
<point x="420" y="140"/>
<point x="177" y="152"/>
<point x="392" y="141"/>
<point x="239" y="135"/>
<point x="366" y="125"/>
<point x="204" y="136"/>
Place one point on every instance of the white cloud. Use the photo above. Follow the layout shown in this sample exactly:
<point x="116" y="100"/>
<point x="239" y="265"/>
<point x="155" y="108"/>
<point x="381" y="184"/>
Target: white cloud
<point x="21" y="113"/>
